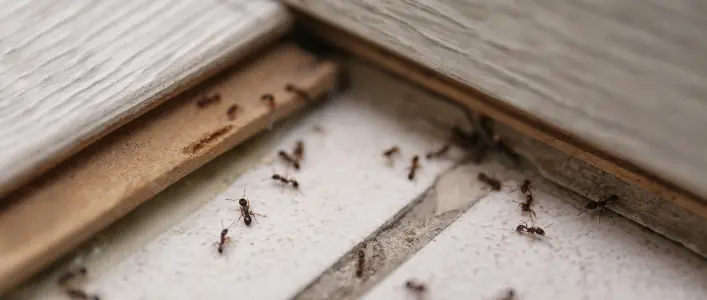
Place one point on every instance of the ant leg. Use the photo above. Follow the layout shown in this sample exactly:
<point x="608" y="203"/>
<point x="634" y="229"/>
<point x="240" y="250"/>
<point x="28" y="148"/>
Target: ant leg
<point x="520" y="205"/>
<point x="532" y="214"/>
<point x="581" y="212"/>
<point x="254" y="218"/>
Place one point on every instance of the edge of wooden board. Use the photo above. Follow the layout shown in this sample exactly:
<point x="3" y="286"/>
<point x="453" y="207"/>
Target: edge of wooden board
<point x="471" y="98"/>
<point x="205" y="71"/>
<point x="47" y="218"/>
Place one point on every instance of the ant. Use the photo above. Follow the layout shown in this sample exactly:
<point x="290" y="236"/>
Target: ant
<point x="207" y="100"/>
<point x="508" y="294"/>
<point x="75" y="293"/>
<point x="524" y="187"/>
<point x="494" y="183"/>
<point x="601" y="203"/>
<point x="246" y="213"/>
<point x="392" y="151"/>
<point x="269" y="99"/>
<point x="71" y="274"/>
<point x="360" y="263"/>
<point x="525" y="206"/>
<point x="439" y="152"/>
<point x="286" y="180"/>
<point x="416" y="286"/>
<point x="289" y="159"/>
<point x="300" y="93"/>
<point x="224" y="238"/>
<point x="415" y="164"/>
<point x="535" y="230"/>
<point x="298" y="152"/>
<point x="232" y="110"/>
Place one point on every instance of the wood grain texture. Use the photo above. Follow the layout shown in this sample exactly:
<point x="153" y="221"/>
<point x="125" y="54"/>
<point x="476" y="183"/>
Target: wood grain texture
<point x="72" y="71"/>
<point x="627" y="77"/>
<point x="47" y="218"/>
<point x="521" y="123"/>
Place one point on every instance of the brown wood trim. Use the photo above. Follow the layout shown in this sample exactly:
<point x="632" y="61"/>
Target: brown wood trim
<point x="49" y="217"/>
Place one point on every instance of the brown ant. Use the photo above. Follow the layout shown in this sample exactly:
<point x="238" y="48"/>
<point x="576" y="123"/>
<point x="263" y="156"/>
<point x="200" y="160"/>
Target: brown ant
<point x="78" y="294"/>
<point x="525" y="206"/>
<point x="224" y="239"/>
<point x="289" y="159"/>
<point x="416" y="286"/>
<point x="245" y="210"/>
<point x="207" y="100"/>
<point x="300" y="93"/>
<point x="71" y="274"/>
<point x="415" y="164"/>
<point x="524" y="187"/>
<point x="494" y="183"/>
<point x="392" y="151"/>
<point x="286" y="180"/>
<point x="439" y="152"/>
<point x="534" y="230"/>
<point x="232" y="110"/>
<point x="360" y="263"/>
<point x="601" y="203"/>
<point x="508" y="294"/>
<point x="298" y="152"/>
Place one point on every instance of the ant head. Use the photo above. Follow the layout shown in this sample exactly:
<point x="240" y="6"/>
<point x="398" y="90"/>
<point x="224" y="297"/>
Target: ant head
<point x="275" y="176"/>
<point x="242" y="202"/>
<point x="295" y="184"/>
<point x="224" y="232"/>
<point x="591" y="205"/>
<point x="520" y="227"/>
<point x="247" y="220"/>
<point x="290" y="87"/>
<point x="612" y="197"/>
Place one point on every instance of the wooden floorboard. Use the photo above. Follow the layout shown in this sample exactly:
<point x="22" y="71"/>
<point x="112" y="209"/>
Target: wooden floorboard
<point x="72" y="71"/>
<point x="626" y="77"/>
<point x="47" y="218"/>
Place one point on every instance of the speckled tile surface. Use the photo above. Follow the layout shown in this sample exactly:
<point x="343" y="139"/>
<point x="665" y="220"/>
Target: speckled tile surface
<point x="593" y="256"/>
<point x="347" y="191"/>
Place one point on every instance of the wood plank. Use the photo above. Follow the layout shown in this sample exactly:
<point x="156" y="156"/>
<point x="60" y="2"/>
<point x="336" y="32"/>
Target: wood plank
<point x="72" y="71"/>
<point x="522" y="122"/>
<point x="604" y="72"/>
<point x="47" y="218"/>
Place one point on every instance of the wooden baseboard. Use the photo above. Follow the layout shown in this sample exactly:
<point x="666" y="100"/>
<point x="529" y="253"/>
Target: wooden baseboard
<point x="64" y="207"/>
<point x="526" y="124"/>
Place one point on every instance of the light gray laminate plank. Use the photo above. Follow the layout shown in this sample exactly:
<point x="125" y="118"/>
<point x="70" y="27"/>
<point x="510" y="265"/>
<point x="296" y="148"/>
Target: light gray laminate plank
<point x="626" y="76"/>
<point x="71" y="71"/>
